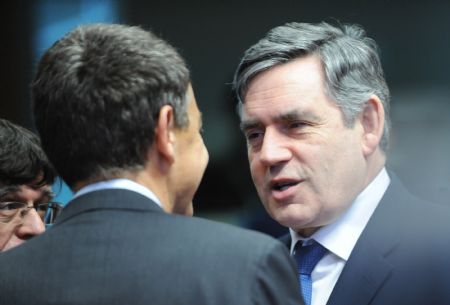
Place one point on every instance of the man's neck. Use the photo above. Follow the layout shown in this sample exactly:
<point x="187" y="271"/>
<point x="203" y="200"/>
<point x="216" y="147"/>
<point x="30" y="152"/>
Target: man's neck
<point x="375" y="163"/>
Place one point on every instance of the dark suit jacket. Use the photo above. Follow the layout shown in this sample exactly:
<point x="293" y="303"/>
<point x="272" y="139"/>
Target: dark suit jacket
<point x="118" y="247"/>
<point x="401" y="257"/>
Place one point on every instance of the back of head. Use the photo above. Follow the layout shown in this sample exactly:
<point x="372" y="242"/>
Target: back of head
<point x="22" y="160"/>
<point x="349" y="58"/>
<point x="97" y="93"/>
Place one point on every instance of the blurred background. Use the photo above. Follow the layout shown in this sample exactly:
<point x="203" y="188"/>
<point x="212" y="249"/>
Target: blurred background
<point x="212" y="36"/>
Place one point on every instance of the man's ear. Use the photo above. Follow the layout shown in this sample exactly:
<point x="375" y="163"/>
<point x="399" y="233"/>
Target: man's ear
<point x="372" y="120"/>
<point x="165" y="134"/>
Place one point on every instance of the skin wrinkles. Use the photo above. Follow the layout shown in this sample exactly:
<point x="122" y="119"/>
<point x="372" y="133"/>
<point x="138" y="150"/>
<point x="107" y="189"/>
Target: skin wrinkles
<point x="292" y="116"/>
<point x="18" y="230"/>
<point x="22" y="193"/>
<point x="307" y="166"/>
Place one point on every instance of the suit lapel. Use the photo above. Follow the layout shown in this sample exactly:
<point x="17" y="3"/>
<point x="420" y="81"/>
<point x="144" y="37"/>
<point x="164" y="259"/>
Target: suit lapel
<point x="361" y="278"/>
<point x="368" y="266"/>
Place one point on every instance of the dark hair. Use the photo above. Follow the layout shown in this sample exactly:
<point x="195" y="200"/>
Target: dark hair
<point x="22" y="160"/>
<point x="350" y="61"/>
<point x="97" y="93"/>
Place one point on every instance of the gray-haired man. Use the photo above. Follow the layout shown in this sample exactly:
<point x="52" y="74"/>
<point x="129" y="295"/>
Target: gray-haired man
<point x="314" y="108"/>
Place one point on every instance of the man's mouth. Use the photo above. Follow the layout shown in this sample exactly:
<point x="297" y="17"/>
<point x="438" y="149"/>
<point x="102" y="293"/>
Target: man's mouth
<point x="283" y="185"/>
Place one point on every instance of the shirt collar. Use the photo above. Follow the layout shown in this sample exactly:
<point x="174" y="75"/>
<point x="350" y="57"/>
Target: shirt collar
<point x="341" y="236"/>
<point x="119" y="184"/>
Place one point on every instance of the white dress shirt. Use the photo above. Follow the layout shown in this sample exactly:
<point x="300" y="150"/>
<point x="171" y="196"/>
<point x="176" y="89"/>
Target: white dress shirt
<point x="119" y="184"/>
<point x="340" y="237"/>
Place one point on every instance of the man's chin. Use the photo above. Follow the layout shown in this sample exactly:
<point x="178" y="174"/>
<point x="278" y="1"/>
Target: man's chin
<point x="286" y="221"/>
<point x="290" y="220"/>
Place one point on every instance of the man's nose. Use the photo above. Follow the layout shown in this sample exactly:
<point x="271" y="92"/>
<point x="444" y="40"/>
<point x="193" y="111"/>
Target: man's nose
<point x="274" y="148"/>
<point x="32" y="225"/>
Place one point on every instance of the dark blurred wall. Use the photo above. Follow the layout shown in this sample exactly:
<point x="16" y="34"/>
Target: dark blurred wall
<point x="15" y="61"/>
<point x="212" y="35"/>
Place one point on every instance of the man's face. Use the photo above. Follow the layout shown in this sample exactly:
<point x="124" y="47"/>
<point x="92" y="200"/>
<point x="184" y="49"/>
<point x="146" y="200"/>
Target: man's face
<point x="191" y="159"/>
<point x="15" y="228"/>
<point x="307" y="166"/>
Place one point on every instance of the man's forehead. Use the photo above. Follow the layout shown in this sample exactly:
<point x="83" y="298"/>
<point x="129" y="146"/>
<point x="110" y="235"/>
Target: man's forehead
<point x="7" y="190"/>
<point x="282" y="115"/>
<point x="45" y="190"/>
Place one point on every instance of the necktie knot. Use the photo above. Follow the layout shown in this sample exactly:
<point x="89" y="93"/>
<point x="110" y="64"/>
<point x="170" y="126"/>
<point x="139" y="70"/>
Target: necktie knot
<point x="307" y="256"/>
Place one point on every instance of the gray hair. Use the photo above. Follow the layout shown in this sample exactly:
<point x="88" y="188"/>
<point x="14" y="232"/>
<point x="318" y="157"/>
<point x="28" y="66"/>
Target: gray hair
<point x="349" y="58"/>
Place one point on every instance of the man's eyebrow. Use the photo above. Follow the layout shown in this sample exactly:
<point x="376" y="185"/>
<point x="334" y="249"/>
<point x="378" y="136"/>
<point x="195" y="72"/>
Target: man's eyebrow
<point x="5" y="191"/>
<point x="297" y="115"/>
<point x="292" y="115"/>
<point x="248" y="124"/>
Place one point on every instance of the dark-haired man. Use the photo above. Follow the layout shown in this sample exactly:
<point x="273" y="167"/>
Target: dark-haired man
<point x="118" y="118"/>
<point x="26" y="177"/>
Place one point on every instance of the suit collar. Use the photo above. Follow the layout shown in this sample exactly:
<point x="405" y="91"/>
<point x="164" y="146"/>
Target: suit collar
<point x="108" y="199"/>
<point x="368" y="265"/>
<point x="120" y="183"/>
<point x="340" y="236"/>
<point x="286" y="240"/>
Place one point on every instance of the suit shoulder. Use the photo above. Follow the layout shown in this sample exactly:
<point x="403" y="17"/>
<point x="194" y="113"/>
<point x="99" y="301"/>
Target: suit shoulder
<point x="226" y="234"/>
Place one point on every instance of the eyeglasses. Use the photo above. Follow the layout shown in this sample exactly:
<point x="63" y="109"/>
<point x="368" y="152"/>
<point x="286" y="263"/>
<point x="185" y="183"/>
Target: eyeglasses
<point x="47" y="211"/>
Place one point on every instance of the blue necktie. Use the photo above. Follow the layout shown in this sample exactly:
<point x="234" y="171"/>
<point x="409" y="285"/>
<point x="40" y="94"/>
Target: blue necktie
<point x="307" y="257"/>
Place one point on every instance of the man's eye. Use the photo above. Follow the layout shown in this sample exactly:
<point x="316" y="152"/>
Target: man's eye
<point x="293" y="125"/>
<point x="8" y="210"/>
<point x="297" y="127"/>
<point x="7" y="206"/>
<point x="253" y="135"/>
